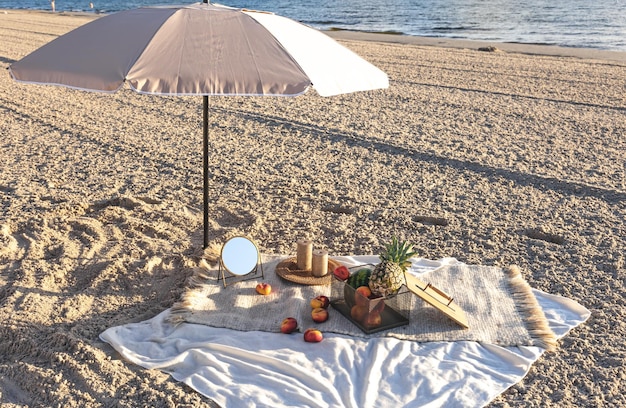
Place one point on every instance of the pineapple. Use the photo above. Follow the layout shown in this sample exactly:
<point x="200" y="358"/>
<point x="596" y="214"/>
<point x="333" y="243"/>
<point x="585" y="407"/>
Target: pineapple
<point x="388" y="276"/>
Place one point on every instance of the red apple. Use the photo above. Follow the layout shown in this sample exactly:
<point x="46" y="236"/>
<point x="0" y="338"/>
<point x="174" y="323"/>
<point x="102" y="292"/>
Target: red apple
<point x="341" y="272"/>
<point x="264" y="288"/>
<point x="320" y="301"/>
<point x="313" y="336"/>
<point x="319" y="315"/>
<point x="289" y="325"/>
<point x="362" y="294"/>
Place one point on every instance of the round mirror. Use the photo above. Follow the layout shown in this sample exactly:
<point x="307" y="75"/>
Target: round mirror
<point x="239" y="256"/>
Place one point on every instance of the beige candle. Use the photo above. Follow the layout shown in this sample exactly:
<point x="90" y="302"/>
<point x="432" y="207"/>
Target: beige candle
<point x="304" y="254"/>
<point x="320" y="262"/>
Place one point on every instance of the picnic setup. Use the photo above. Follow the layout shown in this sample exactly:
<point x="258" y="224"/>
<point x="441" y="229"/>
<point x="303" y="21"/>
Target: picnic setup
<point x="392" y="330"/>
<point x="309" y="327"/>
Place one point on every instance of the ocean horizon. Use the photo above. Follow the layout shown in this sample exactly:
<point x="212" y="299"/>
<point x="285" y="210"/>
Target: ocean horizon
<point x="567" y="23"/>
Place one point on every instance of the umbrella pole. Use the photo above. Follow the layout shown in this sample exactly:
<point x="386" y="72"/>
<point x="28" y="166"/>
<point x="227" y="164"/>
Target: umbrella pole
<point x="205" y="160"/>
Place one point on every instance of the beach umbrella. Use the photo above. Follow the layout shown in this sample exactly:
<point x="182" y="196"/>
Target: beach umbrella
<point x="199" y="49"/>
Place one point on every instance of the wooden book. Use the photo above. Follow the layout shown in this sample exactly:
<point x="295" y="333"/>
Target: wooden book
<point x="437" y="298"/>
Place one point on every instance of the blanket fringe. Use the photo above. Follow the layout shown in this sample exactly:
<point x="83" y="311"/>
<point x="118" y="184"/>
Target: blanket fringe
<point x="527" y="304"/>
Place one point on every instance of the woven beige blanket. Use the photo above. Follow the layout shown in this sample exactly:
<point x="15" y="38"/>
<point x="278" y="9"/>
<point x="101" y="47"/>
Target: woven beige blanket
<point x="499" y="304"/>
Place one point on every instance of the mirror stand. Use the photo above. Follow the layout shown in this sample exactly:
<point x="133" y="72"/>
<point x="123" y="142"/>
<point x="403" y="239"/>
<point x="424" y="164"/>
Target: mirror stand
<point x="229" y="278"/>
<point x="239" y="261"/>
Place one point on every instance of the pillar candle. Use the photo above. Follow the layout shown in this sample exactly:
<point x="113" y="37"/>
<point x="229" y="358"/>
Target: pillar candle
<point x="320" y="263"/>
<point x="304" y="255"/>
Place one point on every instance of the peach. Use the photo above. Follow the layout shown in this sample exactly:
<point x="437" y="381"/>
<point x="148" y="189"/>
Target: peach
<point x="319" y="315"/>
<point x="358" y="313"/>
<point x="320" y="301"/>
<point x="362" y="294"/>
<point x="264" y="288"/>
<point x="289" y="325"/>
<point x="372" y="320"/>
<point x="313" y="336"/>
<point x="341" y="272"/>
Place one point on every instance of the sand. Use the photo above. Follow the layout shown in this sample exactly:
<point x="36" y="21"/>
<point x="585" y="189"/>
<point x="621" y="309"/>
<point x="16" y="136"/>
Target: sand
<point x="506" y="157"/>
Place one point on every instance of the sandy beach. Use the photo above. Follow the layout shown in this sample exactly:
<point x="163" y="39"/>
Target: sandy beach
<point x="510" y="156"/>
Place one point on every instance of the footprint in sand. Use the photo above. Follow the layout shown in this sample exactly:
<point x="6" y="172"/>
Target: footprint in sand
<point x="8" y="244"/>
<point x="539" y="234"/>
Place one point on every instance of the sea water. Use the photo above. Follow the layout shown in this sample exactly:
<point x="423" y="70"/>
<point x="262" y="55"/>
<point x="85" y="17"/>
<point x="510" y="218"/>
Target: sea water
<point x="599" y="24"/>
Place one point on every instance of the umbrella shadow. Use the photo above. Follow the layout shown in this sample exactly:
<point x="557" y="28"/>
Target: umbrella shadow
<point x="494" y="174"/>
<point x="6" y="60"/>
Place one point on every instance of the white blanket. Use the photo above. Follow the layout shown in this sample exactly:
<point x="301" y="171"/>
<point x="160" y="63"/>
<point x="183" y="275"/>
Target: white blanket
<point x="254" y="369"/>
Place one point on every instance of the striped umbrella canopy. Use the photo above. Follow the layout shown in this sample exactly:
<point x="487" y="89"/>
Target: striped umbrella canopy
<point x="199" y="49"/>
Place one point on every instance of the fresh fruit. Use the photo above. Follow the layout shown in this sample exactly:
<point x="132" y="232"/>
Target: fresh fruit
<point x="289" y="325"/>
<point x="319" y="315"/>
<point x="372" y="320"/>
<point x="361" y="295"/>
<point x="341" y="272"/>
<point x="359" y="278"/>
<point x="264" y="288"/>
<point x="313" y="335"/>
<point x="358" y="313"/>
<point x="388" y="276"/>
<point x="320" y="301"/>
